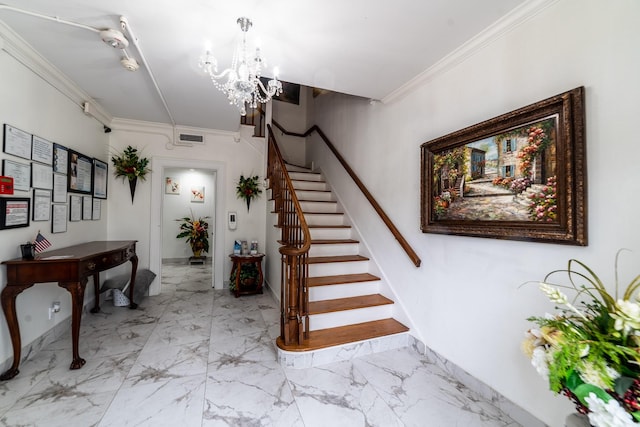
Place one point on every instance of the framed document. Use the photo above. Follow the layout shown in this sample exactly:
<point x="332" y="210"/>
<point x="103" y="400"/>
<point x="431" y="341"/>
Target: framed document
<point x="87" y="207"/>
<point x="97" y="206"/>
<point x="59" y="188"/>
<point x="20" y="172"/>
<point x="41" y="205"/>
<point x="75" y="203"/>
<point x="79" y="173"/>
<point x="58" y="218"/>
<point x="100" y="169"/>
<point x="41" y="150"/>
<point x="41" y="176"/>
<point x="14" y="212"/>
<point x="60" y="158"/>
<point x="16" y="142"/>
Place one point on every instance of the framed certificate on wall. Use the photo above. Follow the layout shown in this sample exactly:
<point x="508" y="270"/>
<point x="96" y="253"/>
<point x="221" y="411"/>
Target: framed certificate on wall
<point x="80" y="173"/>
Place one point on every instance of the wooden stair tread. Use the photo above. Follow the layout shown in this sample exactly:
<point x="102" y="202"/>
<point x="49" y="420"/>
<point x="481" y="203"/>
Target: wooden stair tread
<point x="306" y="180"/>
<point x="351" y="303"/>
<point x="324" y="338"/>
<point x="320" y="226"/>
<point x="316" y="201"/>
<point x="340" y="279"/>
<point x="329" y="241"/>
<point x="337" y="258"/>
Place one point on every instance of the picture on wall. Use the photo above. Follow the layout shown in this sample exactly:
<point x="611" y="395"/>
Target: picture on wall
<point x="519" y="176"/>
<point x="100" y="169"/>
<point x="80" y="173"/>
<point x="197" y="194"/>
<point x="171" y="185"/>
<point x="60" y="158"/>
<point x="14" y="212"/>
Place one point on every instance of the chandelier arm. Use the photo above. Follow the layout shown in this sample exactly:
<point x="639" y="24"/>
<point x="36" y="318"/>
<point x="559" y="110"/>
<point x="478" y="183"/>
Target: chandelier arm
<point x="221" y="75"/>
<point x="270" y="92"/>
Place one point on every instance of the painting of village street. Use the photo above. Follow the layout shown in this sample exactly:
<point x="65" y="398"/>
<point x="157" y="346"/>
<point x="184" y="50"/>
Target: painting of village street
<point x="505" y="177"/>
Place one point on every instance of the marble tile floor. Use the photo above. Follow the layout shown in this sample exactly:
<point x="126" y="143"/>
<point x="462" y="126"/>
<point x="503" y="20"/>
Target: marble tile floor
<point x="194" y="356"/>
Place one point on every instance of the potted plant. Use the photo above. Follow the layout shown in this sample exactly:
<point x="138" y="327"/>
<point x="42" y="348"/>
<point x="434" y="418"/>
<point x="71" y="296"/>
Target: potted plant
<point x="130" y="166"/>
<point x="196" y="232"/>
<point x="248" y="189"/>
<point x="590" y="350"/>
<point x="248" y="277"/>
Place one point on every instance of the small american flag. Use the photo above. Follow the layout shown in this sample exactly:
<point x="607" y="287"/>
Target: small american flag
<point x="41" y="243"/>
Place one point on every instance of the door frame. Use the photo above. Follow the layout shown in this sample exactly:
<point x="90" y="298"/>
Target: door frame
<point x="157" y="195"/>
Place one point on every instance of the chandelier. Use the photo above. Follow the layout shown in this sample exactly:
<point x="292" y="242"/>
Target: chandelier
<point x="241" y="83"/>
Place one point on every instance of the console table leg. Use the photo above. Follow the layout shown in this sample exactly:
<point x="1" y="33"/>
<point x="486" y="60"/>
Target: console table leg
<point x="76" y="289"/>
<point x="9" y="294"/>
<point x="96" y="288"/>
<point x="132" y="282"/>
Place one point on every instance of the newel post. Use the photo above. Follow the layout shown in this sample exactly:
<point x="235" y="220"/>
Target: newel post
<point x="292" y="323"/>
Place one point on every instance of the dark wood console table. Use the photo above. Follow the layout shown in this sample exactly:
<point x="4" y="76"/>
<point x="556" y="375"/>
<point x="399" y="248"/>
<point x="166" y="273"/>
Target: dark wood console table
<point x="71" y="268"/>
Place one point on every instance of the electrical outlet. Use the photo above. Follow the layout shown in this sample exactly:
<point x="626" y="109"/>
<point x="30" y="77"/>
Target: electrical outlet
<point x="55" y="308"/>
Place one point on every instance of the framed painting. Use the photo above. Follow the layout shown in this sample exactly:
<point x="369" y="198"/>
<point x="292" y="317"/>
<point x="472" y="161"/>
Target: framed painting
<point x="519" y="176"/>
<point x="79" y="173"/>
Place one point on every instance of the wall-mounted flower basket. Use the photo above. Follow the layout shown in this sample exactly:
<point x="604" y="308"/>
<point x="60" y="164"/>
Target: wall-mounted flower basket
<point x="248" y="189"/>
<point x="130" y="166"/>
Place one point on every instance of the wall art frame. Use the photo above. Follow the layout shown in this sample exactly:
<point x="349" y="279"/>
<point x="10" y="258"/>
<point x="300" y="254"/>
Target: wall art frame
<point x="80" y="173"/>
<point x="518" y="176"/>
<point x="14" y="212"/>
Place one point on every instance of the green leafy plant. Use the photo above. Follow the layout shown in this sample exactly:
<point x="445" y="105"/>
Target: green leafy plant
<point x="248" y="189"/>
<point x="129" y="165"/>
<point x="196" y="231"/>
<point x="590" y="350"/>
<point x="248" y="271"/>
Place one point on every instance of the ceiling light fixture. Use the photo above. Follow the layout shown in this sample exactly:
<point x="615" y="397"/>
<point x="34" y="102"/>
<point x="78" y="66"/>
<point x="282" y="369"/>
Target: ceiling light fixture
<point x="242" y="85"/>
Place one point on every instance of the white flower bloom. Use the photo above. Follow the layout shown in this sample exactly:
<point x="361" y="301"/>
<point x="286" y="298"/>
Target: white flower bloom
<point x="609" y="414"/>
<point x="591" y="375"/>
<point x="627" y="316"/>
<point x="553" y="293"/>
<point x="540" y="361"/>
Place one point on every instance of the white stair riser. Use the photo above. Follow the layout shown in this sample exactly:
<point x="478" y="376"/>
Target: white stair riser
<point x="314" y="195"/>
<point x="344" y="290"/>
<point x="349" y="317"/>
<point x="306" y="176"/>
<point x="328" y="207"/>
<point x="330" y="233"/>
<point x="337" y="268"/>
<point x="292" y="168"/>
<point x="309" y="185"/>
<point x="324" y="219"/>
<point x="330" y="249"/>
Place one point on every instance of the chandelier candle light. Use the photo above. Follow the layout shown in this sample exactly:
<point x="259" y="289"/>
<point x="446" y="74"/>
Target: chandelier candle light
<point x="242" y="85"/>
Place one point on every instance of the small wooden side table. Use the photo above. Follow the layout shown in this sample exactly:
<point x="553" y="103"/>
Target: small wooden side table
<point x="238" y="261"/>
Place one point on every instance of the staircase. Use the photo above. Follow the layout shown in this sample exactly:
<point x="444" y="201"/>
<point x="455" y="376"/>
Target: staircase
<point x="345" y="304"/>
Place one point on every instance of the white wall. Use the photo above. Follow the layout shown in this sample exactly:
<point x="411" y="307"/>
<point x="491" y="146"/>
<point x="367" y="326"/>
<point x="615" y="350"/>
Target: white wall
<point x="466" y="301"/>
<point x="293" y="117"/>
<point x="29" y="103"/>
<point x="176" y="206"/>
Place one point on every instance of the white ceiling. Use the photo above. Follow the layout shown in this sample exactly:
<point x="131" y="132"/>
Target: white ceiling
<point x="367" y="48"/>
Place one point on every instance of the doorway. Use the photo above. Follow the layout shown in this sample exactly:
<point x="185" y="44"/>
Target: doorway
<point x="163" y="168"/>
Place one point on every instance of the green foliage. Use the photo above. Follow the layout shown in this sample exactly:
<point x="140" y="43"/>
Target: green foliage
<point x="196" y="231"/>
<point x="129" y="165"/>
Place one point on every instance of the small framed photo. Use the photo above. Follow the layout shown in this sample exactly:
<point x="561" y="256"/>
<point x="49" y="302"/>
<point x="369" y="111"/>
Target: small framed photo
<point x="97" y="206"/>
<point x="87" y="207"/>
<point x="42" y="150"/>
<point x="100" y="170"/>
<point x="41" y="176"/>
<point x="80" y="173"/>
<point x="171" y="185"/>
<point x="58" y="218"/>
<point x="60" y="158"/>
<point x="75" y="203"/>
<point x="197" y="194"/>
<point x="20" y="172"/>
<point x="41" y="205"/>
<point x="14" y="212"/>
<point x="16" y="142"/>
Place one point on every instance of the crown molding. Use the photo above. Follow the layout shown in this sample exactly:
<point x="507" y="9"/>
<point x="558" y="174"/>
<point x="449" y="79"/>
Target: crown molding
<point x="502" y="26"/>
<point x="23" y="52"/>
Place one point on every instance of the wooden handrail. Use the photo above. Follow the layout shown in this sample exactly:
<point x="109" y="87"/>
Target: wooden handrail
<point x="376" y="206"/>
<point x="296" y="241"/>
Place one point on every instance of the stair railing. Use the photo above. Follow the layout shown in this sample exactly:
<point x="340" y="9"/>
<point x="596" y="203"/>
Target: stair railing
<point x="296" y="241"/>
<point x="376" y="206"/>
